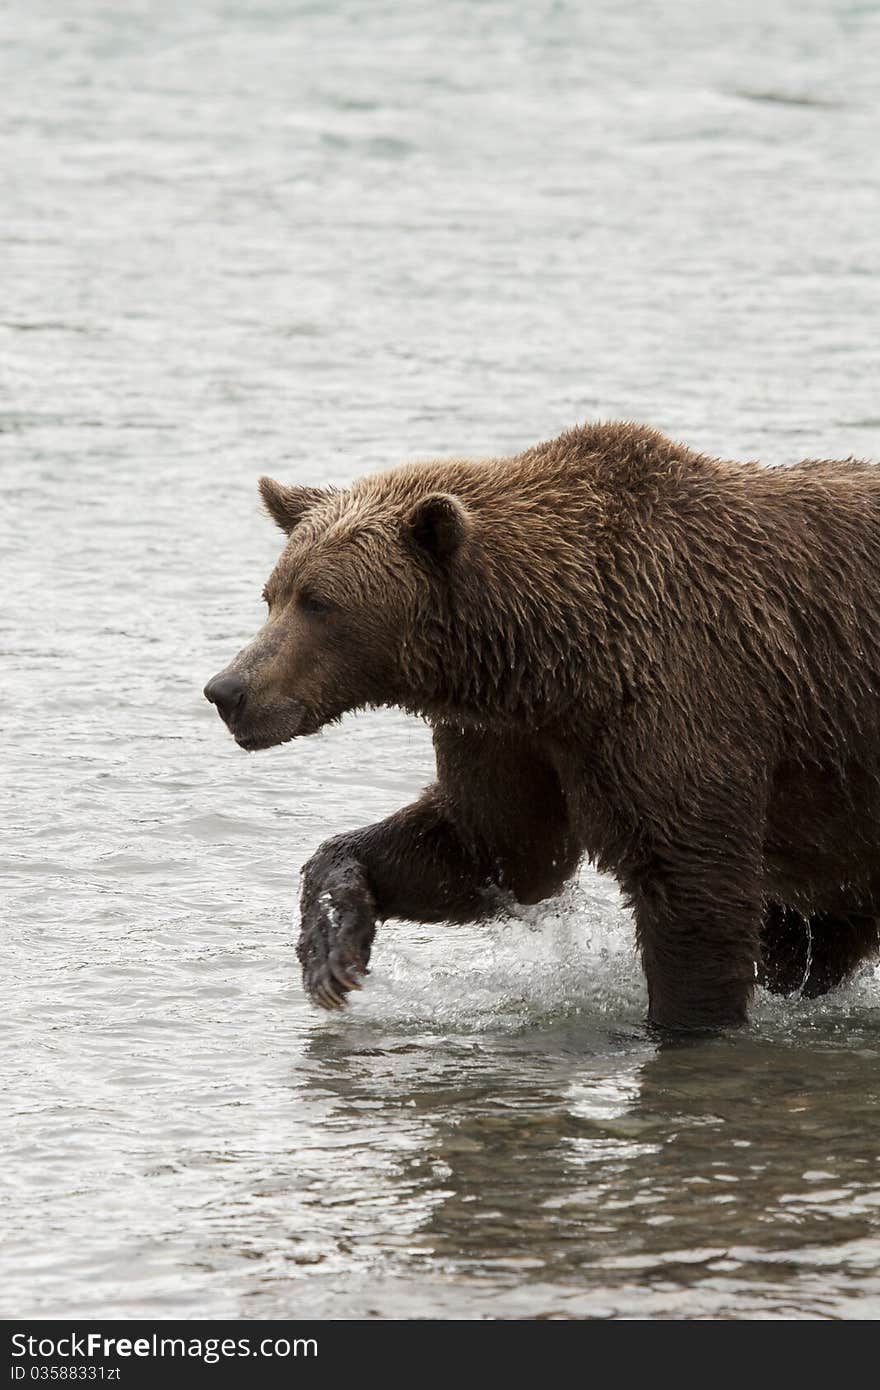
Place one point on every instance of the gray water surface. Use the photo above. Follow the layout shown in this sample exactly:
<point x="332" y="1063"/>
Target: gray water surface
<point x="313" y="240"/>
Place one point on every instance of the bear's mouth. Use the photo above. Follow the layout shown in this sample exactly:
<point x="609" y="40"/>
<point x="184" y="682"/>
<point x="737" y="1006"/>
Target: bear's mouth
<point x="253" y="744"/>
<point x="297" y="723"/>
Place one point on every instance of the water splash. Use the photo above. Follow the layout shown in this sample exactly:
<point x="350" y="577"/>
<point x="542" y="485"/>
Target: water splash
<point x="572" y="955"/>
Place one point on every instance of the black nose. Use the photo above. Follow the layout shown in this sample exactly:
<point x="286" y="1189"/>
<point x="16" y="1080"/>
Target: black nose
<point x="228" y="693"/>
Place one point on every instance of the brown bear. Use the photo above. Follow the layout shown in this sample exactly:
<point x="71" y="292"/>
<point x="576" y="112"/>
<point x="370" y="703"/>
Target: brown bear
<point x="627" y="651"/>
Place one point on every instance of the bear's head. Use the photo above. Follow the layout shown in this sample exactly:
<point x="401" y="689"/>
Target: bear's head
<point x="356" y="606"/>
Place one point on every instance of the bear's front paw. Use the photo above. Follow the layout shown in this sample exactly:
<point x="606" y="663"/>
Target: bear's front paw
<point x="336" y="933"/>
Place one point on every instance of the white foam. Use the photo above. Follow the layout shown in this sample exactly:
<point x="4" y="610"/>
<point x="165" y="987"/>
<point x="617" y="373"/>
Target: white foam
<point x="575" y="953"/>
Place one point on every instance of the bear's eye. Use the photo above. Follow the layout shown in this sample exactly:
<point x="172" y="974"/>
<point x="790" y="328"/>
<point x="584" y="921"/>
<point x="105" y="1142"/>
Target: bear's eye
<point x="313" y="604"/>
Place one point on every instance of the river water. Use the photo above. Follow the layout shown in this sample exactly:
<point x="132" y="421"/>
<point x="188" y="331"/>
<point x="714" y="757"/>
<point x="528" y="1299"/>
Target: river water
<point x="312" y="240"/>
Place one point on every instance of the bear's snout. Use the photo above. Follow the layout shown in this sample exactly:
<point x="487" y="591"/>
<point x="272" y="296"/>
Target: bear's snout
<point x="228" y="693"/>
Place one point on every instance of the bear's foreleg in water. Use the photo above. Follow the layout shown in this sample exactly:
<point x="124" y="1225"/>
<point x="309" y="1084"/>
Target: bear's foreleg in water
<point x="495" y="823"/>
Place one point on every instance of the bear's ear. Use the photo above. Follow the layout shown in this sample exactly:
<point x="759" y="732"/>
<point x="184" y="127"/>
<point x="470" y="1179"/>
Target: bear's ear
<point x="288" y="505"/>
<point x="438" y="524"/>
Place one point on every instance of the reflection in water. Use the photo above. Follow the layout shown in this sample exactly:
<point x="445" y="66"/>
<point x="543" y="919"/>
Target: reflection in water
<point x="720" y="1178"/>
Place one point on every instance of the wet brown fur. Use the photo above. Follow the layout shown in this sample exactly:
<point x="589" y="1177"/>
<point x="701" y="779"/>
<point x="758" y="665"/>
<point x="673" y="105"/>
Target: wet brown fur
<point x="627" y="650"/>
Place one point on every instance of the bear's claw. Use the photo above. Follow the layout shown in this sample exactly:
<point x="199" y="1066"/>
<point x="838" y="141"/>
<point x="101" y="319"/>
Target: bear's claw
<point x="337" y="930"/>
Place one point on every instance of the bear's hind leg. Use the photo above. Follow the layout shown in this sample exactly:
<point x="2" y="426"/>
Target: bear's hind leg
<point x="782" y="967"/>
<point x="813" y="955"/>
